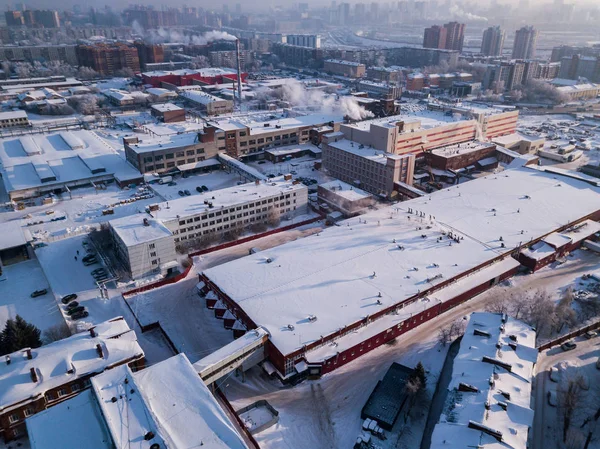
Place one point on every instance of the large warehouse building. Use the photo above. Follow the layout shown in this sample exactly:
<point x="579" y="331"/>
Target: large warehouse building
<point x="331" y="297"/>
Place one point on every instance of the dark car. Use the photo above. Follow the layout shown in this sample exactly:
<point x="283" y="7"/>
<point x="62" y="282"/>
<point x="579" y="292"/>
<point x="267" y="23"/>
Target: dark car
<point x="568" y="346"/>
<point x="37" y="293"/>
<point x="199" y="189"/>
<point x="204" y="188"/>
<point x="99" y="271"/>
<point x="89" y="262"/>
<point x="68" y="298"/>
<point x="187" y="192"/>
<point x="79" y="315"/>
<point x="72" y="305"/>
<point x="181" y="193"/>
<point x="90" y="255"/>
<point x="75" y="310"/>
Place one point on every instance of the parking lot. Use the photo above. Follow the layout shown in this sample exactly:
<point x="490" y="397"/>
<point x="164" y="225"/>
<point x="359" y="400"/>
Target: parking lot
<point x="214" y="181"/>
<point x="20" y="280"/>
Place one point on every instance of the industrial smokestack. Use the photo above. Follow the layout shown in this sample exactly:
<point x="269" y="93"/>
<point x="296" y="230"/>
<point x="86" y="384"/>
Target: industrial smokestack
<point x="239" y="70"/>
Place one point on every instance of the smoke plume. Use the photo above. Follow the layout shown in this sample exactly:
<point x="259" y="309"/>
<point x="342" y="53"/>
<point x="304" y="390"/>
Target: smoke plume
<point x="459" y="13"/>
<point x="168" y="36"/>
<point x="297" y="95"/>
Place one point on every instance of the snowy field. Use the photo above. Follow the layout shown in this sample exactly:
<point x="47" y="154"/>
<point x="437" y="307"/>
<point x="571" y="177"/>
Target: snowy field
<point x="20" y="280"/>
<point x="214" y="181"/>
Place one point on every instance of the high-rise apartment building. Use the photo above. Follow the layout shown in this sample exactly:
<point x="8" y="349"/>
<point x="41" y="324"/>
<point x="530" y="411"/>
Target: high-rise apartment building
<point x="525" y="43"/>
<point x="493" y="41"/>
<point x="434" y="37"/>
<point x="107" y="59"/>
<point x="455" y="36"/>
<point x="451" y="36"/>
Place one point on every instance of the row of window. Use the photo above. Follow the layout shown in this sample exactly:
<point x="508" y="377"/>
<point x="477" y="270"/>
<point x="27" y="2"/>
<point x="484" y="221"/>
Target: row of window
<point x="173" y="164"/>
<point x="178" y="154"/>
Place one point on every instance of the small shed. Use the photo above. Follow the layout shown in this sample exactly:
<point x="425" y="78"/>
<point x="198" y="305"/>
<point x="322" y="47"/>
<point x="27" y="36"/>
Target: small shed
<point x="388" y="398"/>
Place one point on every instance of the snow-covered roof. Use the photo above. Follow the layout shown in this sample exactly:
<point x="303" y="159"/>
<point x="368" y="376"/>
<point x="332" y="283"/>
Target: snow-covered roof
<point x="200" y="97"/>
<point x="119" y="95"/>
<point x="166" y="107"/>
<point x="13" y="235"/>
<point x="371" y="154"/>
<point x="132" y="229"/>
<point x="12" y="115"/>
<point x="257" y="127"/>
<point x="460" y="148"/>
<point x="493" y="367"/>
<point x="343" y="62"/>
<point x="330" y="274"/>
<point x="426" y="119"/>
<point x="168" y="399"/>
<point x="81" y="415"/>
<point x="65" y="155"/>
<point x="223" y="198"/>
<point x="345" y="190"/>
<point x="148" y="144"/>
<point x="159" y="91"/>
<point x="66" y="360"/>
<point x="207" y="72"/>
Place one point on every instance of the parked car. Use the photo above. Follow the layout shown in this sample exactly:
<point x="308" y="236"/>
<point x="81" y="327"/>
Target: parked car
<point x="41" y="292"/>
<point x="181" y="193"/>
<point x="68" y="298"/>
<point x="598" y="363"/>
<point x="187" y="192"/>
<point x="204" y="188"/>
<point x="568" y="346"/>
<point x="99" y="271"/>
<point x="91" y="254"/>
<point x="89" y="262"/>
<point x="591" y="334"/>
<point x="79" y="315"/>
<point x="75" y="310"/>
<point x="172" y="183"/>
<point x="554" y="374"/>
<point x="199" y="189"/>
<point x="72" y="305"/>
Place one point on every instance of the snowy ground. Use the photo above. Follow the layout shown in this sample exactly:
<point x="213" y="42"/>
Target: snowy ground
<point x="214" y="181"/>
<point x="579" y="362"/>
<point x="19" y="281"/>
<point x="82" y="211"/>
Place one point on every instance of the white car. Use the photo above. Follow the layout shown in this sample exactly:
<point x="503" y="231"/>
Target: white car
<point x="554" y="374"/>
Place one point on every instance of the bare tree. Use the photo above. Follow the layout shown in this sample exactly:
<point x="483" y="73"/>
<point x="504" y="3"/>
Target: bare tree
<point x="453" y="330"/>
<point x="56" y="333"/>
<point x="274" y="218"/>
<point x="570" y="398"/>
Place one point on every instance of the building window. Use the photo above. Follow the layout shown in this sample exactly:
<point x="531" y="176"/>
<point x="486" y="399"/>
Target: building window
<point x="152" y="254"/>
<point x="62" y="392"/>
<point x="50" y="396"/>
<point x="28" y="412"/>
<point x="151" y="246"/>
<point x="14" y="418"/>
<point x="200" y="151"/>
<point x="170" y="156"/>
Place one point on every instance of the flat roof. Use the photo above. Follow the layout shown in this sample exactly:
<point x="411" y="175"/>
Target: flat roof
<point x="64" y="155"/>
<point x="166" y="107"/>
<point x="167" y="398"/>
<point x="337" y="265"/>
<point x="12" y="115"/>
<point x="345" y="190"/>
<point x="149" y="144"/>
<point x="13" y="235"/>
<point x="365" y="152"/>
<point x="427" y="119"/>
<point x="458" y="149"/>
<point x="223" y="198"/>
<point x="502" y="406"/>
<point x="132" y="231"/>
<point x="76" y="353"/>
<point x="81" y="415"/>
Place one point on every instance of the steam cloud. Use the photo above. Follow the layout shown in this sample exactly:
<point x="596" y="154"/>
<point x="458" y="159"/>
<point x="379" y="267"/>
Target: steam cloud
<point x="460" y="13"/>
<point x="163" y="36"/>
<point x="295" y="93"/>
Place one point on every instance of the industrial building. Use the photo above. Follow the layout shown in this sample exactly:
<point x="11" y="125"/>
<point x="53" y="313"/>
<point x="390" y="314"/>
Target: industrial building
<point x="489" y="397"/>
<point x="32" y="165"/>
<point x="168" y="112"/>
<point x="395" y="268"/>
<point x="163" y="406"/>
<point x="109" y="58"/>
<point x="32" y="380"/>
<point x="188" y="77"/>
<point x="13" y="119"/>
<point x="367" y="168"/>
<point x="209" y="104"/>
<point x="345" y="68"/>
<point x="146" y="244"/>
<point x="462" y="155"/>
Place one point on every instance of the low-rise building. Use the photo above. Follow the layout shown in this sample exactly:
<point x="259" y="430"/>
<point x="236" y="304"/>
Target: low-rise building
<point x="168" y="112"/>
<point x="32" y="380"/>
<point x="166" y="153"/>
<point x="392" y="74"/>
<point x="580" y="91"/>
<point x="163" y="406"/>
<point x="209" y="104"/>
<point x="345" y="68"/>
<point x="13" y="119"/>
<point x="160" y="95"/>
<point x="521" y="143"/>
<point x="344" y="198"/>
<point x="489" y="397"/>
<point x="380" y="89"/>
<point x="367" y="168"/>
<point x="144" y="245"/>
<point x="462" y="155"/>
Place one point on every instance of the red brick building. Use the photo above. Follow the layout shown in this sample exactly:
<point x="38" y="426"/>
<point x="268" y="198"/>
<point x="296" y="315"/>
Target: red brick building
<point x="188" y="77"/>
<point x="108" y="59"/>
<point x="32" y="380"/>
